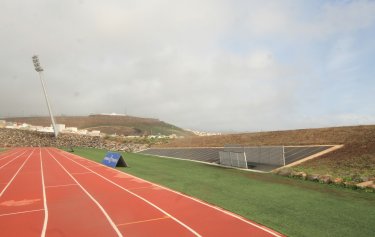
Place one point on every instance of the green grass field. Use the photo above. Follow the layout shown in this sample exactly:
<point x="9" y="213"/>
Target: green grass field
<point x="292" y="207"/>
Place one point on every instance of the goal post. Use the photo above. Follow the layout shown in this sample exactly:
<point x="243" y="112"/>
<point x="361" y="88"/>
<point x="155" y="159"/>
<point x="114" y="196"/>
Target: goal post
<point x="233" y="159"/>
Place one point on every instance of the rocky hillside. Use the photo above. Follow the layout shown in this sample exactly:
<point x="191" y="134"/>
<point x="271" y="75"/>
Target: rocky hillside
<point x="22" y="138"/>
<point x="110" y="124"/>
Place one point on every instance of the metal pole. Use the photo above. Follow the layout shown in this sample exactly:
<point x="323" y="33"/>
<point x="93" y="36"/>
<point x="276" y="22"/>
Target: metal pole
<point x="48" y="105"/>
<point x="40" y="70"/>
<point x="284" y="154"/>
<point x="244" y="154"/>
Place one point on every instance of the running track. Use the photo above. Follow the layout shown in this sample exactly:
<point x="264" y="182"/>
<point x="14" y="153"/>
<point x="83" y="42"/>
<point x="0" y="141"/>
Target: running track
<point x="49" y="192"/>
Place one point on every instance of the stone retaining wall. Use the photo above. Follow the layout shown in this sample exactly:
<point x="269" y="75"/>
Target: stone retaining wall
<point x="367" y="183"/>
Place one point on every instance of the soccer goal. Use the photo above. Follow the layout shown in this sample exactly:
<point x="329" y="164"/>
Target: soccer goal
<point x="234" y="159"/>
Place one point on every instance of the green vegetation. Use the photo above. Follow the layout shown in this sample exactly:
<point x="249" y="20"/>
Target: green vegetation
<point x="290" y="206"/>
<point x="138" y="140"/>
<point x="360" y="169"/>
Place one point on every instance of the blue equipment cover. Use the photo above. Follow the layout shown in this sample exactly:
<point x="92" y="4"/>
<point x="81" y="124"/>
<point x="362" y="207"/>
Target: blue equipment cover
<point x="113" y="160"/>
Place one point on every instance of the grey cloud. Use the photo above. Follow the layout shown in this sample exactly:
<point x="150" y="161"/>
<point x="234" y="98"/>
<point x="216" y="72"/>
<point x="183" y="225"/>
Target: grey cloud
<point x="164" y="59"/>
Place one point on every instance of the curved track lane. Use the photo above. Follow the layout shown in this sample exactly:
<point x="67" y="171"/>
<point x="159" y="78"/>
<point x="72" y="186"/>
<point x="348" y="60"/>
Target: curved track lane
<point x="49" y="192"/>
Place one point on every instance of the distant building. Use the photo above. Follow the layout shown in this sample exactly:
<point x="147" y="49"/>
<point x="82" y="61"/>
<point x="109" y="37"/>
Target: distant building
<point x="45" y="129"/>
<point x="70" y="130"/>
<point x="203" y="134"/>
<point x="24" y="126"/>
<point x="11" y="125"/>
<point x="60" y="127"/>
<point x="172" y="136"/>
<point x="82" y="132"/>
<point x="33" y="128"/>
<point x="95" y="133"/>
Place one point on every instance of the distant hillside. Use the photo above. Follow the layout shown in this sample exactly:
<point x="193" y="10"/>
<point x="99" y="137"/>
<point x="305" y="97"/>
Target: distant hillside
<point x="110" y="124"/>
<point x="317" y="136"/>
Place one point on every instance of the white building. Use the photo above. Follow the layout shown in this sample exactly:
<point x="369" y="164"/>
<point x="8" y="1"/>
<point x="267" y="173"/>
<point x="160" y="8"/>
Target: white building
<point x="24" y="126"/>
<point x="11" y="125"/>
<point x="70" y="130"/>
<point x="82" y="132"/>
<point x="132" y="137"/>
<point x="95" y="133"/>
<point x="60" y="127"/>
<point x="45" y="129"/>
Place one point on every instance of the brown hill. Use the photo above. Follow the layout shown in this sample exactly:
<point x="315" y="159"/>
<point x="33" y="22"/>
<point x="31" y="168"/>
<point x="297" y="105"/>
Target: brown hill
<point x="318" y="136"/>
<point x="110" y="124"/>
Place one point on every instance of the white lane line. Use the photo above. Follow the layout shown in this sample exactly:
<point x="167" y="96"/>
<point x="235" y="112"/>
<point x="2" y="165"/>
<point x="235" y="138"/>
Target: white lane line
<point x="91" y="197"/>
<point x="215" y="207"/>
<point x="44" y="196"/>
<point x="151" y="186"/>
<point x="21" y="212"/>
<point x="91" y="166"/>
<point x="14" y="176"/>
<point x="143" y="199"/>
<point x="143" y="221"/>
<point x="194" y="199"/>
<point x="81" y="173"/>
<point x="12" y="159"/>
<point x="10" y="153"/>
<point x="10" y="150"/>
<point x="61" y="185"/>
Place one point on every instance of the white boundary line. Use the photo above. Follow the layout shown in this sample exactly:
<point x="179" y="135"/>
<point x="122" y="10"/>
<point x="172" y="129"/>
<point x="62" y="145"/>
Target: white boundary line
<point x="12" y="160"/>
<point x="8" y="150"/>
<point x="61" y="185"/>
<point x="14" y="176"/>
<point x="79" y="173"/>
<point x="21" y="212"/>
<point x="91" y="197"/>
<point x="44" y="196"/>
<point x="151" y="186"/>
<point x="313" y="156"/>
<point x="143" y="199"/>
<point x="194" y="199"/>
<point x="217" y="208"/>
<point x="143" y="221"/>
<point x="10" y="153"/>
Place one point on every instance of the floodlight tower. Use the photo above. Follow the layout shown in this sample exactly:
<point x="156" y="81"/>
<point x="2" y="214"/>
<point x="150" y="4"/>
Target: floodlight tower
<point x="40" y="70"/>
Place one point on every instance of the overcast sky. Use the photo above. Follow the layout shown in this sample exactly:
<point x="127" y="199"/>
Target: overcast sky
<point x="211" y="65"/>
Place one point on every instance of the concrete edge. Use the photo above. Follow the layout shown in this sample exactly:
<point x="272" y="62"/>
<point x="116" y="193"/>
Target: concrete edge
<point x="333" y="148"/>
<point x="221" y="147"/>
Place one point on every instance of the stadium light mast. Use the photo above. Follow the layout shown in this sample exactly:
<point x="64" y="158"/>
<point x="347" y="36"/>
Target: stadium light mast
<point x="40" y="70"/>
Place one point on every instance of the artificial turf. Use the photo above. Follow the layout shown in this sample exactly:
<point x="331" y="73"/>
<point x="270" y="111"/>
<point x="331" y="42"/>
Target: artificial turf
<point x="292" y="207"/>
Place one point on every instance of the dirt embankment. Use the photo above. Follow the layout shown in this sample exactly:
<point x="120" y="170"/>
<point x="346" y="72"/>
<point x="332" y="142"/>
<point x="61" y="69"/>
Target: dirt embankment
<point x="335" y="135"/>
<point x="355" y="160"/>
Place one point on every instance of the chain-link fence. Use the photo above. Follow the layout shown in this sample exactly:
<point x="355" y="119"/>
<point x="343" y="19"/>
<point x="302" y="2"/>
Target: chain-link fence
<point x="270" y="155"/>
<point x="234" y="159"/>
<point x="242" y="157"/>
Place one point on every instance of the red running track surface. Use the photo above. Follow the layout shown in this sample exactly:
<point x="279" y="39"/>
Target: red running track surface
<point x="49" y="192"/>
